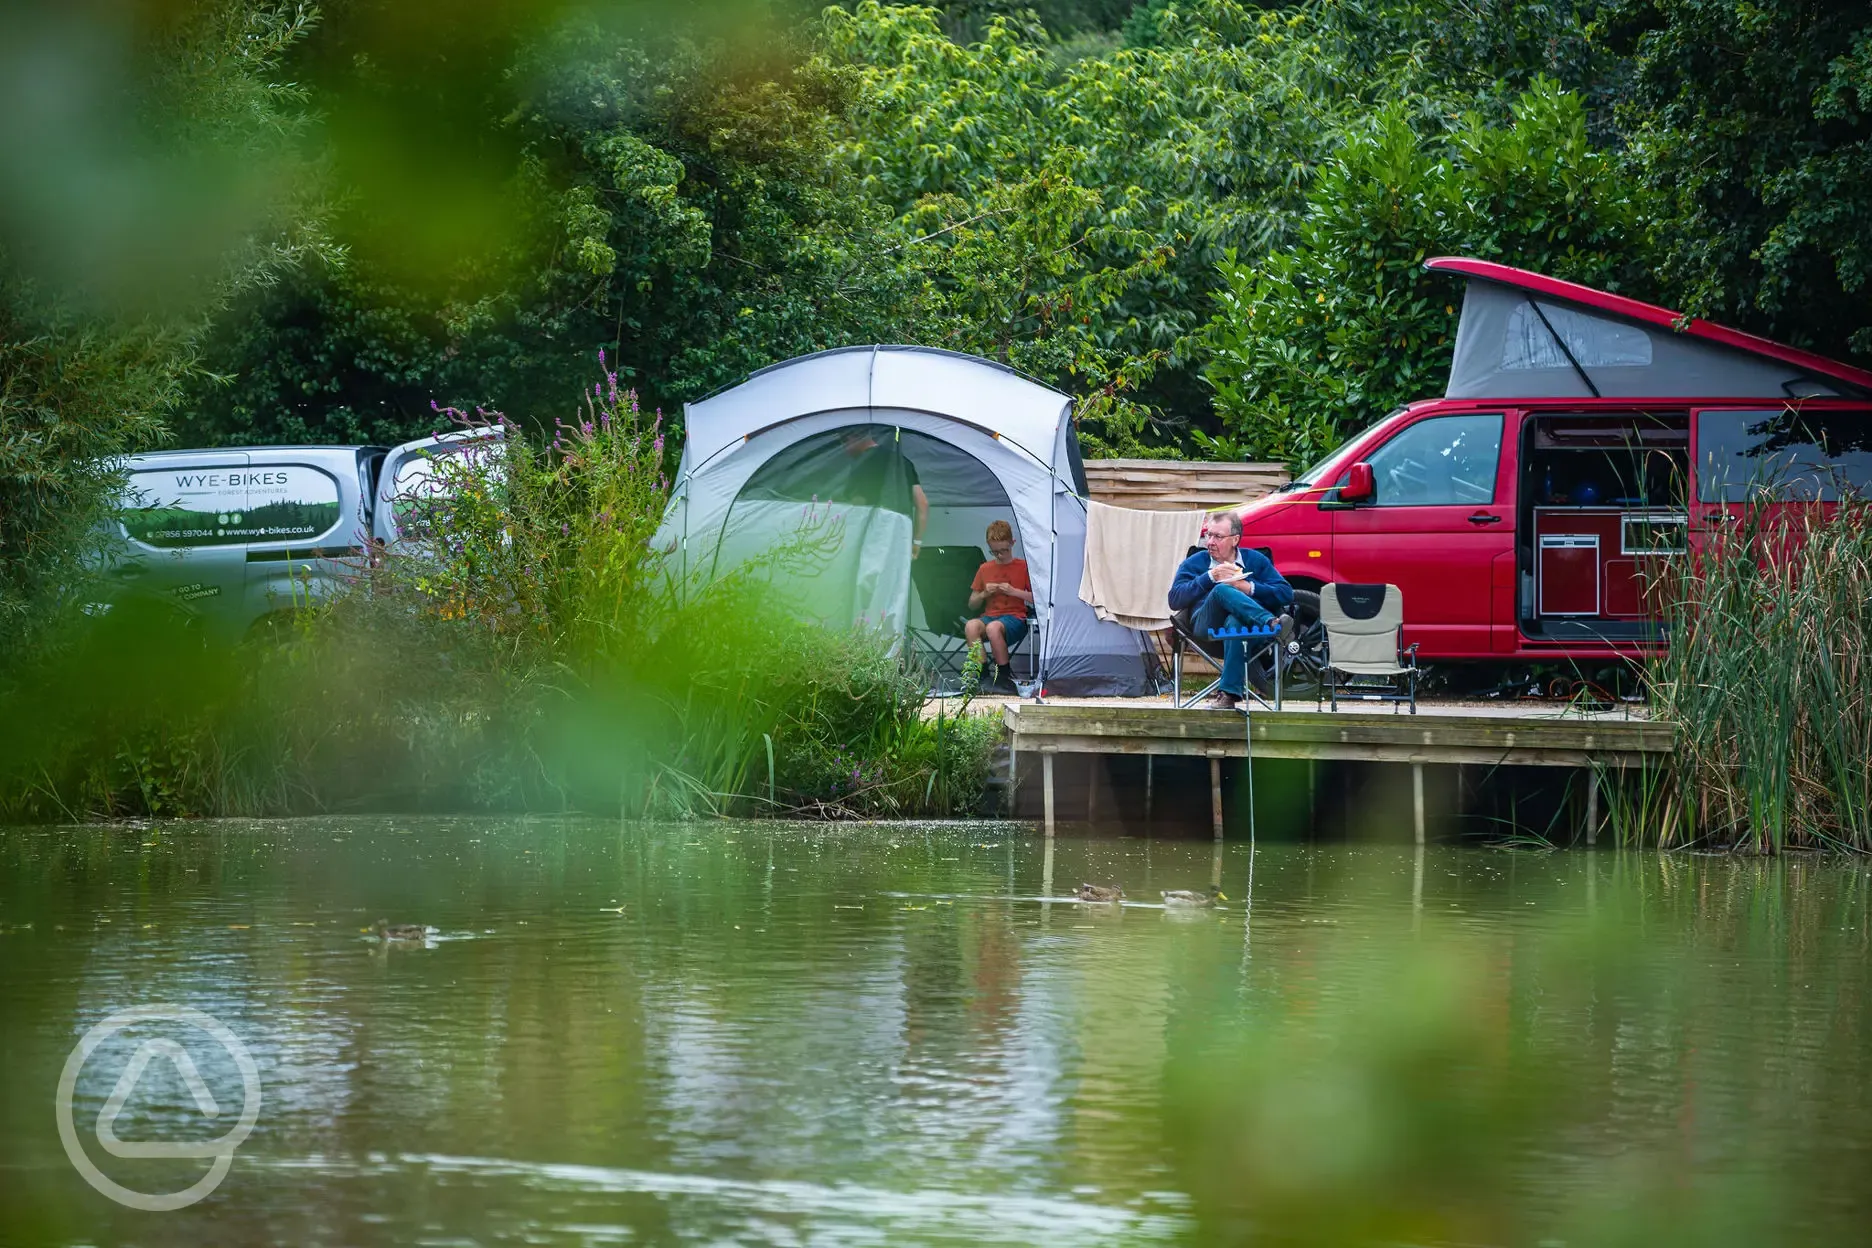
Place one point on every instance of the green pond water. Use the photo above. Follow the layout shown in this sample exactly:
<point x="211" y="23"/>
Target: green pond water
<point x="771" y="1034"/>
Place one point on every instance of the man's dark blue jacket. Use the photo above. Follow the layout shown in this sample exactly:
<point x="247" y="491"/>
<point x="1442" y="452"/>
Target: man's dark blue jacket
<point x="1192" y="584"/>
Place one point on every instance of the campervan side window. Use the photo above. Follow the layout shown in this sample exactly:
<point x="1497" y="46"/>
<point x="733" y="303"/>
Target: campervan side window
<point x="172" y="508"/>
<point x="1442" y="461"/>
<point x="1782" y="454"/>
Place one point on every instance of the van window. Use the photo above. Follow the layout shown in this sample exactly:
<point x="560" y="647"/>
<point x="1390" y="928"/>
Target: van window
<point x="1781" y="453"/>
<point x="178" y="507"/>
<point x="423" y="482"/>
<point x="1441" y="461"/>
<point x="1333" y="460"/>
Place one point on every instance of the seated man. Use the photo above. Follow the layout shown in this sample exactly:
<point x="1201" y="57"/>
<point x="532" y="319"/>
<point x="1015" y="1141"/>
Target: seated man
<point x="1004" y="584"/>
<point x="1224" y="585"/>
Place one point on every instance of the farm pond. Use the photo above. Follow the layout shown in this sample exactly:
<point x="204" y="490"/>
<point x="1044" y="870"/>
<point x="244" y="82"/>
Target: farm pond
<point x="774" y="1033"/>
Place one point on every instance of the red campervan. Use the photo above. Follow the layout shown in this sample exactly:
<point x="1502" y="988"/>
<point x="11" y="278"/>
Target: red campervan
<point x="1584" y="436"/>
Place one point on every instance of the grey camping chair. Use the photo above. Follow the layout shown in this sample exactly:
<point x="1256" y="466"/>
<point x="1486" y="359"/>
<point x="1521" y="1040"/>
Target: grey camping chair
<point x="1365" y="640"/>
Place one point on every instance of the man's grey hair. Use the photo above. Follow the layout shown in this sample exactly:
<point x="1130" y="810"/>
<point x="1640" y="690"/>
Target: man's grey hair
<point x="1231" y="518"/>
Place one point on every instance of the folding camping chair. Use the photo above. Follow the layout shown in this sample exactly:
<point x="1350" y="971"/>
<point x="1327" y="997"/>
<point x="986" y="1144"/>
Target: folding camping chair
<point x="1184" y="637"/>
<point x="941" y="576"/>
<point x="1365" y="638"/>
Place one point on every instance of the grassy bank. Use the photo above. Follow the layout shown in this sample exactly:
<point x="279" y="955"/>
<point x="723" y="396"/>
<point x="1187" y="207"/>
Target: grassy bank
<point x="527" y="653"/>
<point x="1769" y="680"/>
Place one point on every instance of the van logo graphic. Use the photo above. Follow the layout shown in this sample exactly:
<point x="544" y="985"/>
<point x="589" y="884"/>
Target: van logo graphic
<point x="197" y="590"/>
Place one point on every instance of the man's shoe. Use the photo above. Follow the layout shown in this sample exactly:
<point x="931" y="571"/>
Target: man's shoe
<point x="1222" y="702"/>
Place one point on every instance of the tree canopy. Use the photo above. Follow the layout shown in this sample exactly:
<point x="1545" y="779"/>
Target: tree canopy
<point x="1203" y="218"/>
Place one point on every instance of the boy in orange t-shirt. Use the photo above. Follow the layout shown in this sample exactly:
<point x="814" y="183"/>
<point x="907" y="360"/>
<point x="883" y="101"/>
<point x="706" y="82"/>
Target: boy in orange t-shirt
<point x="1004" y="585"/>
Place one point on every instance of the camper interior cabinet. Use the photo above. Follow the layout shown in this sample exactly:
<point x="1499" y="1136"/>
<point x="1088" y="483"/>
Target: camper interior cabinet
<point x="1607" y="501"/>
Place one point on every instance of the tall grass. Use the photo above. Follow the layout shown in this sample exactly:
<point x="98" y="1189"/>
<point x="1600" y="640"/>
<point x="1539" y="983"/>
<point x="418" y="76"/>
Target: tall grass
<point x="1768" y="678"/>
<point x="524" y="651"/>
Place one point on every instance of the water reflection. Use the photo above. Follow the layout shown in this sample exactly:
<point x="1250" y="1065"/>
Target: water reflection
<point x="907" y="1034"/>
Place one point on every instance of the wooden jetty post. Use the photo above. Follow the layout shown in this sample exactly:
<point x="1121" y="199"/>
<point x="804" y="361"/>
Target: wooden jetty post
<point x="1592" y="804"/>
<point x="1215" y="793"/>
<point x="1046" y="786"/>
<point x="1505" y="737"/>
<point x="1417" y="811"/>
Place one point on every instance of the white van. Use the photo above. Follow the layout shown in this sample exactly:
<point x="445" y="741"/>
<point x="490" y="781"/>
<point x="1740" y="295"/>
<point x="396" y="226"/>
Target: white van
<point x="239" y="538"/>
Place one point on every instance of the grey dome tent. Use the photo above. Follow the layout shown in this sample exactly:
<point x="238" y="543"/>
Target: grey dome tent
<point x="804" y="475"/>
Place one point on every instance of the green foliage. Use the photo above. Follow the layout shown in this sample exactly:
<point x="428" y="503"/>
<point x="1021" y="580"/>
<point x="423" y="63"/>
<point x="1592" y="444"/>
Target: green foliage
<point x="73" y="391"/>
<point x="1314" y="341"/>
<point x="103" y="296"/>
<point x="1070" y="217"/>
<point x="1752" y="123"/>
<point x="674" y="199"/>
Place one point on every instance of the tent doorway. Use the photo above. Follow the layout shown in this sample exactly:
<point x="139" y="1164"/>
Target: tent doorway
<point x="850" y="501"/>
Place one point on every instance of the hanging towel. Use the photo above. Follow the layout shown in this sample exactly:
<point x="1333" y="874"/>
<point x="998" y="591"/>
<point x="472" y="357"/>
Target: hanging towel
<point x="1130" y="558"/>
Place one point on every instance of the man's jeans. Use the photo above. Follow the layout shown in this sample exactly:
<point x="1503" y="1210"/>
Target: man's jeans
<point x="1227" y="605"/>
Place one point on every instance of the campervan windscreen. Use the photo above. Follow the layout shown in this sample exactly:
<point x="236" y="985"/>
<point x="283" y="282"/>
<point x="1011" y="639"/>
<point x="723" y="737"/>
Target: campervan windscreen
<point x="1333" y="461"/>
<point x="423" y="485"/>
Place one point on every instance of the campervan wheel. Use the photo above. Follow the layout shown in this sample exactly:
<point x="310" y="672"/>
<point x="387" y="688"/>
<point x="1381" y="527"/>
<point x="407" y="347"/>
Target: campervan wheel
<point x="1306" y="659"/>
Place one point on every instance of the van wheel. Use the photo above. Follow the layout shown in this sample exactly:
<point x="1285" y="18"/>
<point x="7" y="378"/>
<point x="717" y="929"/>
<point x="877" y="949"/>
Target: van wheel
<point x="1306" y="665"/>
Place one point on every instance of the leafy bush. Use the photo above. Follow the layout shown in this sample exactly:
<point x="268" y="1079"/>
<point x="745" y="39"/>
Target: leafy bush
<point x="1069" y="217"/>
<point x="1318" y="339"/>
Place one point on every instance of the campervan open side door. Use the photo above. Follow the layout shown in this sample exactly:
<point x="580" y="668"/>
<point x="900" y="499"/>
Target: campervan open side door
<point x="407" y="476"/>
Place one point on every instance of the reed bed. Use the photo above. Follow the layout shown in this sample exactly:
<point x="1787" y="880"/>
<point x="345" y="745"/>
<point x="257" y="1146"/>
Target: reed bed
<point x="1768" y="677"/>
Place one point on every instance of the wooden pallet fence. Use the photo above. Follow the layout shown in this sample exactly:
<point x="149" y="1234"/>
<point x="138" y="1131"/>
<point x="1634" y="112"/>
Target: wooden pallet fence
<point x="1178" y="485"/>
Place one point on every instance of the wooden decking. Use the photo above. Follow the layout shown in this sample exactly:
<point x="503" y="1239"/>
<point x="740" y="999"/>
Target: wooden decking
<point x="1440" y="734"/>
<point x="1510" y="734"/>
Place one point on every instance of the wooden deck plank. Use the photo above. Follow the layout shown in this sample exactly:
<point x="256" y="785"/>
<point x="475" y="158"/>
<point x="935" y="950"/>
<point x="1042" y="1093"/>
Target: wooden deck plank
<point x="1447" y="737"/>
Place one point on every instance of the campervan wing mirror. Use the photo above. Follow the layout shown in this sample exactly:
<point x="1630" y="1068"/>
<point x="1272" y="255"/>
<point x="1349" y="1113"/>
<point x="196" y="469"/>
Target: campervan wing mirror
<point x="1359" y="486"/>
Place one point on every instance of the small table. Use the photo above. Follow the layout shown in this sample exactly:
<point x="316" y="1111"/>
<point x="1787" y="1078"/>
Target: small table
<point x="1268" y="636"/>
